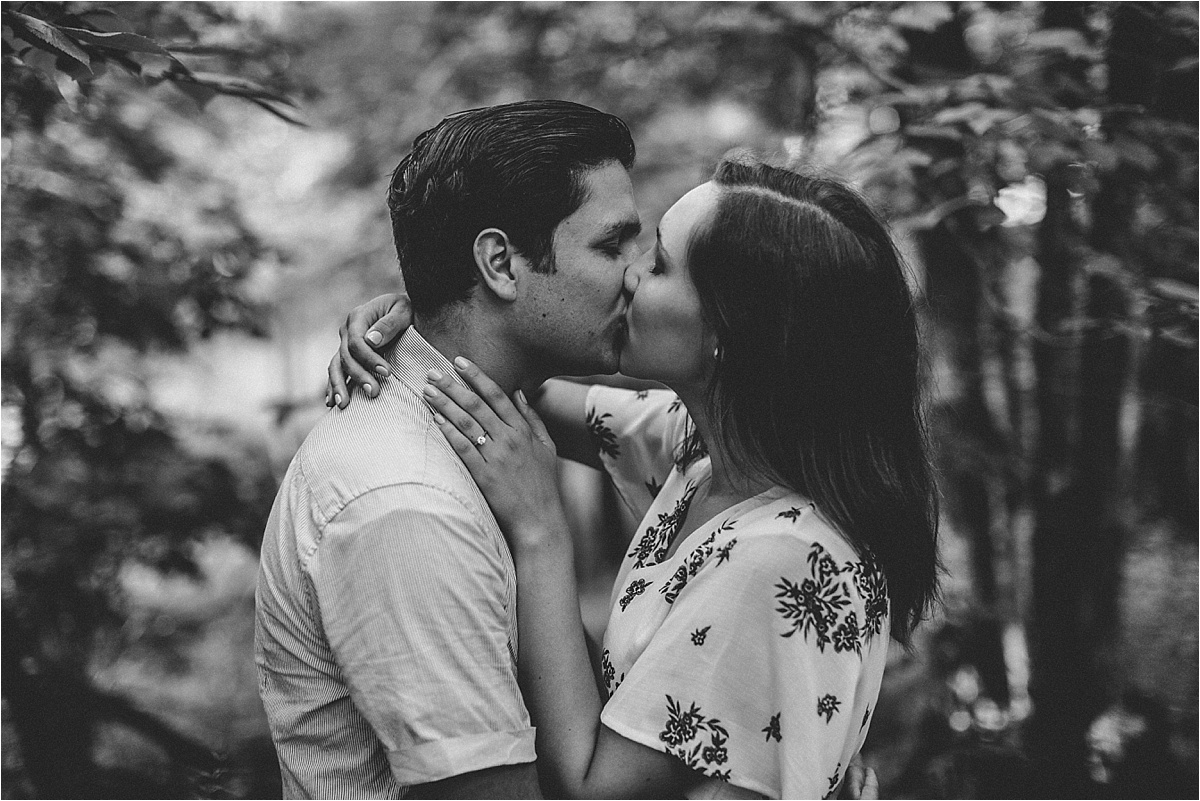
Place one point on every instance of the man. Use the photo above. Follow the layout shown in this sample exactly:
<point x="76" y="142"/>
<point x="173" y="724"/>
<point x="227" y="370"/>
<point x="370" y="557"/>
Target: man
<point x="386" y="633"/>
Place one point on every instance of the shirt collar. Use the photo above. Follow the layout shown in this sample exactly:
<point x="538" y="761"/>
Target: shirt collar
<point x="413" y="357"/>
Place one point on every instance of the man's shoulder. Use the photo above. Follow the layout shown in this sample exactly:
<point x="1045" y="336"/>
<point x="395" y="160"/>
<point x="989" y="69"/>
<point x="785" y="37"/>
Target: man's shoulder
<point x="374" y="444"/>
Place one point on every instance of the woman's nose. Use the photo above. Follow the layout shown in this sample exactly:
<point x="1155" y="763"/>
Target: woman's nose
<point x="633" y="274"/>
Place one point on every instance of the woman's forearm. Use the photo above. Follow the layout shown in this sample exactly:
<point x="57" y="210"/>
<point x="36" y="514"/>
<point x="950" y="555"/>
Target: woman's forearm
<point x="562" y="406"/>
<point x="556" y="676"/>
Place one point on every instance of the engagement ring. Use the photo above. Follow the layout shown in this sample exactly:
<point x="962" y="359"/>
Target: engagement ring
<point x="482" y="438"/>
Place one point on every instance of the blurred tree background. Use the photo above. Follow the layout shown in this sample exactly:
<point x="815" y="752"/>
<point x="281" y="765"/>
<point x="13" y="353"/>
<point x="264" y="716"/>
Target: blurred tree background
<point x="192" y="199"/>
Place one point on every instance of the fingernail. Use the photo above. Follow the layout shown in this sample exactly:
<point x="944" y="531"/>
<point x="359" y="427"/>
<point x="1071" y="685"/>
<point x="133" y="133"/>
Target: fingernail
<point x="461" y="363"/>
<point x="370" y="389"/>
<point x="521" y="396"/>
<point x="381" y="370"/>
<point x="430" y="391"/>
<point x="437" y="418"/>
<point x="434" y="375"/>
<point x="337" y="399"/>
<point x="374" y="337"/>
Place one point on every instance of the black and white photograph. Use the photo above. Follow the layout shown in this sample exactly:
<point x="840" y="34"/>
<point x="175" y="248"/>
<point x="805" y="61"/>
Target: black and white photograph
<point x="599" y="400"/>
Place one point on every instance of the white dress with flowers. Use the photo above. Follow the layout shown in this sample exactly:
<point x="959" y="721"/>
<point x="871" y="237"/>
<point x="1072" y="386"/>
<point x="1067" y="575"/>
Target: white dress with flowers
<point x="754" y="652"/>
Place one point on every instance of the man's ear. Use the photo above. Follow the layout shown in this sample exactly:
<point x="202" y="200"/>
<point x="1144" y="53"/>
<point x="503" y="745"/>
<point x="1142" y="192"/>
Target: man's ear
<point x="494" y="256"/>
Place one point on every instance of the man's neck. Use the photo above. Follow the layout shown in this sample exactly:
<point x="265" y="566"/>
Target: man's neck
<point x="454" y="335"/>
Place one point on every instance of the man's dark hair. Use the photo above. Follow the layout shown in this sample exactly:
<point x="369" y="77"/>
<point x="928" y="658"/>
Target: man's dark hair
<point x="518" y="167"/>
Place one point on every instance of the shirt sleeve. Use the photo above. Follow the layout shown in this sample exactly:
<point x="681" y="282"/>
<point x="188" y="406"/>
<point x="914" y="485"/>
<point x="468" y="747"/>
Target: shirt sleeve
<point x="637" y="433"/>
<point x="754" y="674"/>
<point x="414" y="600"/>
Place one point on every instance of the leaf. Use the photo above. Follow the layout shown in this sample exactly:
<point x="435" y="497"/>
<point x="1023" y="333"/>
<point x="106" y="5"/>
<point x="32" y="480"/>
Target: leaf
<point x="921" y="16"/>
<point x="932" y="132"/>
<point x="239" y="87"/>
<point x="198" y="92"/>
<point x="977" y="116"/>
<point x="1071" y="42"/>
<point x="118" y="40"/>
<point x="48" y="37"/>
<point x="74" y="69"/>
<point x="280" y="113"/>
<point x="199" y="49"/>
<point x="43" y="62"/>
<point x="1172" y="289"/>
<point x="105" y="20"/>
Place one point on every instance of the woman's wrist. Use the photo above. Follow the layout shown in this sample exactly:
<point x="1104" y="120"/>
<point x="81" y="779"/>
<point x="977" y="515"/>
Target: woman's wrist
<point x="549" y="534"/>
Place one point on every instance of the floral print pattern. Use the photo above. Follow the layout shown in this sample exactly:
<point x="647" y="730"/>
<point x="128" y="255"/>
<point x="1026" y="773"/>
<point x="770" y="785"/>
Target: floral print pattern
<point x="653" y="487"/>
<point x="706" y="665"/>
<point x="834" y="781"/>
<point x="696" y="739"/>
<point x="772" y="728"/>
<point x="817" y="604"/>
<point x="725" y="550"/>
<point x="657" y="539"/>
<point x="827" y="705"/>
<point x="635" y="588"/>
<point x="609" y="673"/>
<point x="602" y="435"/>
<point x="690" y="567"/>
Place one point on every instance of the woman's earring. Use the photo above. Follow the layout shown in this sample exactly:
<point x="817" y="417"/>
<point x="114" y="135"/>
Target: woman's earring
<point x="717" y="353"/>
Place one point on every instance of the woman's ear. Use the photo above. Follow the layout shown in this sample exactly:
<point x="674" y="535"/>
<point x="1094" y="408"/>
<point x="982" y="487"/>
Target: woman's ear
<point x="494" y="256"/>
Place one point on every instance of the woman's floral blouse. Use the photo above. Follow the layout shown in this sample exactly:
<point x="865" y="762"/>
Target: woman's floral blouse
<point x="755" y="651"/>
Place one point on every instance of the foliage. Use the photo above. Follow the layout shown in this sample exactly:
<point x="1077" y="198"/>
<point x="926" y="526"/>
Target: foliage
<point x="1045" y="160"/>
<point x="48" y="45"/>
<point x="114" y="245"/>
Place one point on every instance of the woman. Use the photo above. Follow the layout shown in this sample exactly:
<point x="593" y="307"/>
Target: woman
<point x="789" y="527"/>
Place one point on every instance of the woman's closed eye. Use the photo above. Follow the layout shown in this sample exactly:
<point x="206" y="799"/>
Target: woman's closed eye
<point x="660" y="266"/>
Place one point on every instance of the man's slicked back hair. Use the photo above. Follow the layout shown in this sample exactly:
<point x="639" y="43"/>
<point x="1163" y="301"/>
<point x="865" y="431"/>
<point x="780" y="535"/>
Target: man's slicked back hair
<point x="518" y="167"/>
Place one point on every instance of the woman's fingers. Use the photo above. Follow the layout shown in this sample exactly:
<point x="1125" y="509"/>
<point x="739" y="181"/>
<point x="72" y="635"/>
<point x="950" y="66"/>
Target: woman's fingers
<point x="468" y="401"/>
<point x="372" y="325"/>
<point x="353" y="369"/>
<point x="392" y="324"/>
<point x="489" y="391"/>
<point x="336" y="392"/>
<point x="459" y="418"/>
<point x="870" y="788"/>
<point x="860" y="781"/>
<point x="465" y="448"/>
<point x="533" y="420"/>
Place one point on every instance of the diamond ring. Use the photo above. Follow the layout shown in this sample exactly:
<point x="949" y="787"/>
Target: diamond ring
<point x="482" y="438"/>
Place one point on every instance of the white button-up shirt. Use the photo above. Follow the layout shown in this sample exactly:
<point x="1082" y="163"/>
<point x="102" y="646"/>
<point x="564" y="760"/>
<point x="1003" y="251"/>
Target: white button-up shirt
<point x="385" y="627"/>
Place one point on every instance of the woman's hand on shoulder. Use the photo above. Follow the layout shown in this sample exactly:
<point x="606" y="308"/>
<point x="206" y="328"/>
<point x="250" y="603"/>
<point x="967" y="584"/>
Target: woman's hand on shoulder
<point x="506" y="448"/>
<point x="373" y="325"/>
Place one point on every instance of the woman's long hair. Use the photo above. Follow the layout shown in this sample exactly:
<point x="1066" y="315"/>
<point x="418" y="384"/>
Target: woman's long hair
<point x="818" y="378"/>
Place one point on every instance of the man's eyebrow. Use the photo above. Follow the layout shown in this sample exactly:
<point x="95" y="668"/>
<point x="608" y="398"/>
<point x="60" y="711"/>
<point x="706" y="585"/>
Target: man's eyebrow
<point x="623" y="230"/>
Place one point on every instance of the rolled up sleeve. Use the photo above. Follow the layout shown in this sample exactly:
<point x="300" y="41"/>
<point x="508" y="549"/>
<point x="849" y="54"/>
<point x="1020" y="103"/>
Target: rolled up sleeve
<point x="414" y="599"/>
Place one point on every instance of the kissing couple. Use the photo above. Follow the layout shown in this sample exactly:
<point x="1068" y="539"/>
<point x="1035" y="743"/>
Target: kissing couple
<point x="417" y="620"/>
